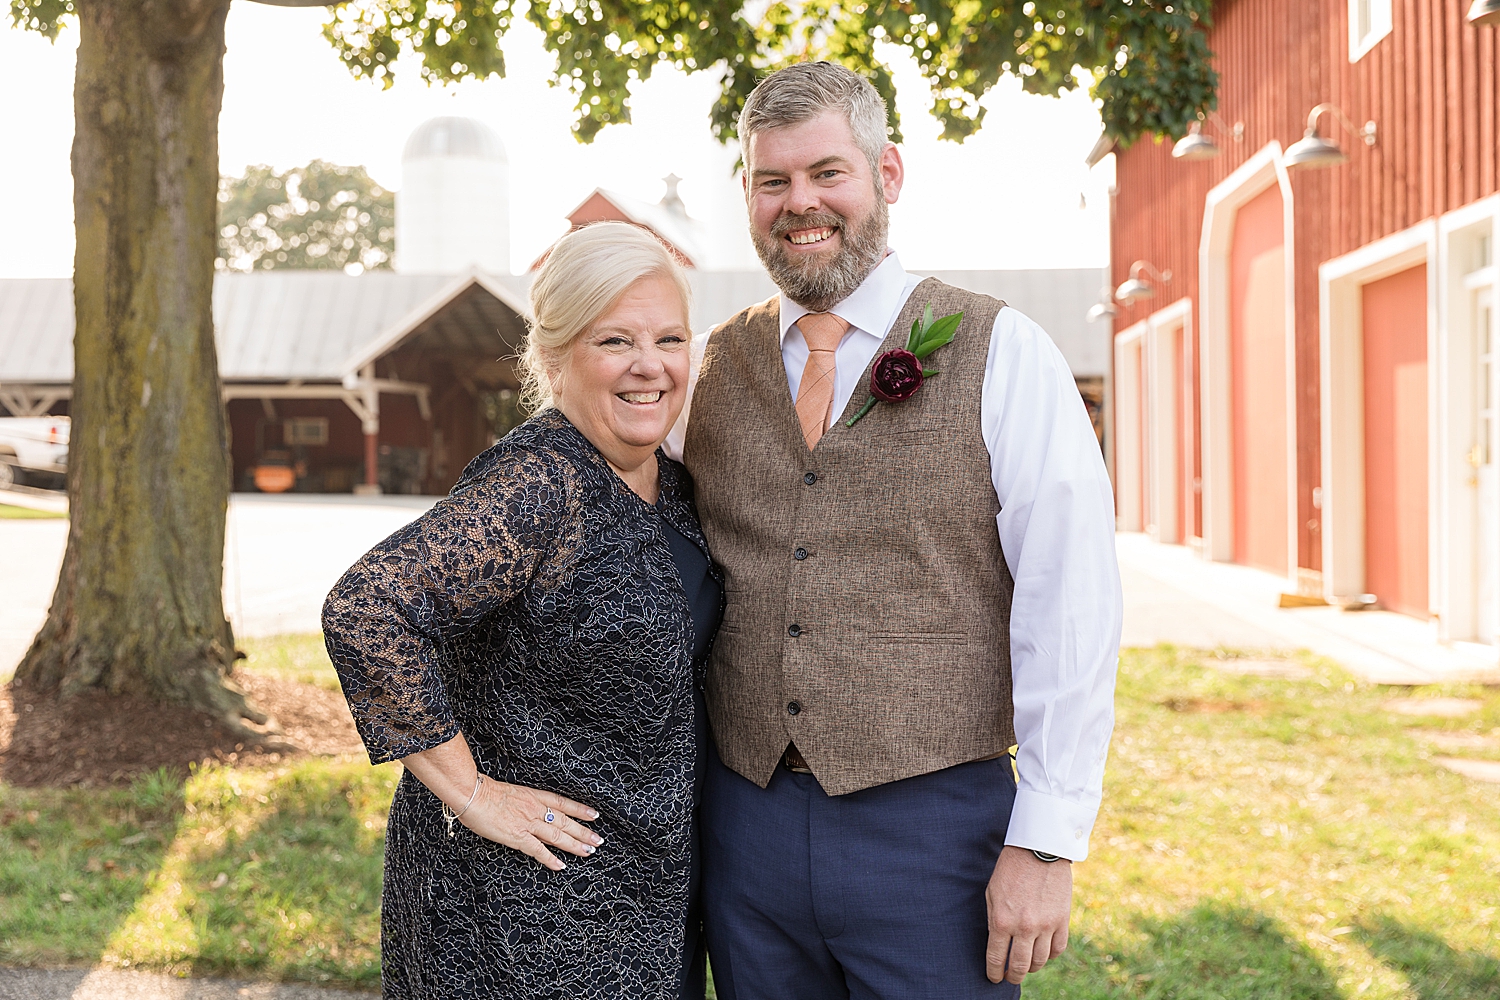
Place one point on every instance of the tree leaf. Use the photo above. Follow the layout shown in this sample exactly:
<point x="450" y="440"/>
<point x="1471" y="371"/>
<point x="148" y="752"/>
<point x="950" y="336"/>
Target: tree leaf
<point x="1147" y="62"/>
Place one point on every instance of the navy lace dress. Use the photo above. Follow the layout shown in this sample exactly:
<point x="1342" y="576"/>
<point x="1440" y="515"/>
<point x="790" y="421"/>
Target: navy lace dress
<point x="539" y="610"/>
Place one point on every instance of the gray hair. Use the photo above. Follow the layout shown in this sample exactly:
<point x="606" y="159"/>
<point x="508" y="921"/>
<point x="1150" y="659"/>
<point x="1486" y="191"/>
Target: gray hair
<point x="584" y="275"/>
<point x="803" y="91"/>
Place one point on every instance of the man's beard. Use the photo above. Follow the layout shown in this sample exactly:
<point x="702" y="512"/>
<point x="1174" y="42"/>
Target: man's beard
<point x="819" y="282"/>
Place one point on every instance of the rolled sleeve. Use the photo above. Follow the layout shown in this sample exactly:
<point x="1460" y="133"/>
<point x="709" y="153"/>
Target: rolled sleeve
<point x="1056" y="527"/>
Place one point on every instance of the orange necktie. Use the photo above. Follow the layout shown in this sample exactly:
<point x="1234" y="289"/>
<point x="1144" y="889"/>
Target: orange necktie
<point x="823" y="332"/>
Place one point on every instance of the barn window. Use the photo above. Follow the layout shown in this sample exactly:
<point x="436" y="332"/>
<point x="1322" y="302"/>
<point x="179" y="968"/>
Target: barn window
<point x="1369" y="22"/>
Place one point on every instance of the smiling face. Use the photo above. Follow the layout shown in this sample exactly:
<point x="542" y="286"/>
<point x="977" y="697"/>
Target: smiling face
<point x="622" y="382"/>
<point x="818" y="214"/>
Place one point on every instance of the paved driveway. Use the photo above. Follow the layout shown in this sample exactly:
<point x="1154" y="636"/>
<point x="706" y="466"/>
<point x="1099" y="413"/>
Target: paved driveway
<point x="118" y="984"/>
<point x="283" y="553"/>
<point x="281" y="556"/>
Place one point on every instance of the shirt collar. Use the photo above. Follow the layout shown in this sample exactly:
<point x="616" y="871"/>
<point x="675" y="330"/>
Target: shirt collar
<point x="870" y="307"/>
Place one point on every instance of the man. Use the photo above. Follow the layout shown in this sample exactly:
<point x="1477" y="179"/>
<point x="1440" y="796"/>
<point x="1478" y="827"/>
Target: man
<point x="909" y="592"/>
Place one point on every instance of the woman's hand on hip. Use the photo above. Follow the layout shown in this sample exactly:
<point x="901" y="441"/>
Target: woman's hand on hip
<point x="518" y="817"/>
<point x="513" y="815"/>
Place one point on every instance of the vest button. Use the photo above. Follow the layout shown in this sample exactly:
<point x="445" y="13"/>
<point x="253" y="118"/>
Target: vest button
<point x="800" y="554"/>
<point x="794" y="630"/>
<point x="793" y="708"/>
<point x="810" y="478"/>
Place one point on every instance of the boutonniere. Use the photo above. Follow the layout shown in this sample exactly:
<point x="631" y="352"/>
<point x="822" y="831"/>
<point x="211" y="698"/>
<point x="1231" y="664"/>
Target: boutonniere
<point x="898" y="374"/>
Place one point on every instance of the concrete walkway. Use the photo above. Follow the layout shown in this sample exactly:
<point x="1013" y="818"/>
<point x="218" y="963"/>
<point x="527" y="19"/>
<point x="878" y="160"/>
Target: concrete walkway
<point x="122" y="984"/>
<point x="282" y="554"/>
<point x="1171" y="595"/>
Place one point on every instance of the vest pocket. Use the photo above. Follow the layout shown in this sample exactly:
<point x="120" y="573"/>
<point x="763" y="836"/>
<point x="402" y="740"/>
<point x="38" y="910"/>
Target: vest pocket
<point x="923" y="638"/>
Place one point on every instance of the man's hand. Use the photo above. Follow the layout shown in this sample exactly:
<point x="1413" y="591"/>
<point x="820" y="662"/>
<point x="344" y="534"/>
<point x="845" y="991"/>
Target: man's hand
<point x="1029" y="902"/>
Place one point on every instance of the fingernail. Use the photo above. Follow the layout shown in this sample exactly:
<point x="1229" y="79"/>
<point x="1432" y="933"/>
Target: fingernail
<point x="598" y="840"/>
<point x="589" y="849"/>
<point x="593" y="814"/>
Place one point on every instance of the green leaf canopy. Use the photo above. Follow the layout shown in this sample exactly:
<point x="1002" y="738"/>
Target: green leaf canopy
<point x="1147" y="61"/>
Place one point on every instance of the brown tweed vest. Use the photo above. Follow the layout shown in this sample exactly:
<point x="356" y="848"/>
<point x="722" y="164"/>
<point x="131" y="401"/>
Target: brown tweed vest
<point x="868" y="601"/>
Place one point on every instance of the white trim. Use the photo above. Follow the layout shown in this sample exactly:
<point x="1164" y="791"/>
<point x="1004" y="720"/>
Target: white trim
<point x="1341" y="391"/>
<point x="362" y="395"/>
<point x="1454" y="534"/>
<point x="1147" y="451"/>
<point x="1164" y="381"/>
<point x="1129" y="450"/>
<point x="391" y="337"/>
<point x="1224" y="200"/>
<point x="1380" y="26"/>
<point x="24" y="400"/>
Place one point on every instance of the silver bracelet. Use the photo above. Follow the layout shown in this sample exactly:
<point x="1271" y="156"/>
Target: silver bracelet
<point x="453" y="817"/>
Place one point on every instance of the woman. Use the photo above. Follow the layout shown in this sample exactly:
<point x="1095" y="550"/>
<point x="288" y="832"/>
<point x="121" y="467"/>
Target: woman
<point x="529" y="650"/>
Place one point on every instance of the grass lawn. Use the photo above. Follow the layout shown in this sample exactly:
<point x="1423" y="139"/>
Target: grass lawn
<point x="12" y="512"/>
<point x="1281" y="838"/>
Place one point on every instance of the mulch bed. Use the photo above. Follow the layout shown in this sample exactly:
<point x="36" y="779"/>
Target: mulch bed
<point x="96" y="739"/>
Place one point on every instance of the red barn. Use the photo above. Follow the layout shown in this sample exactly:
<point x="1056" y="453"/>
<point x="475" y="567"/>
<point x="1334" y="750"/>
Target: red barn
<point x="1304" y="356"/>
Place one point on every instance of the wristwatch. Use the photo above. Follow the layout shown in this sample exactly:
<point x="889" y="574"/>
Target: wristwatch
<point x="1044" y="856"/>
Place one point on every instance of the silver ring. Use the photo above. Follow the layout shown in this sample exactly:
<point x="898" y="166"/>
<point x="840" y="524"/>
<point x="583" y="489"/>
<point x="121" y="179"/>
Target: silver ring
<point x="549" y="817"/>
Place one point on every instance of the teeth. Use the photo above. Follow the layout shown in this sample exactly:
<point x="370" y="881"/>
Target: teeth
<point x="811" y="236"/>
<point x="641" y="397"/>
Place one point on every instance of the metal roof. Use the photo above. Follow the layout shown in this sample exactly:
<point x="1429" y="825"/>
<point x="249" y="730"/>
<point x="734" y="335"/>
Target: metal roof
<point x="322" y="325"/>
<point x="271" y="326"/>
<point x="36" y="330"/>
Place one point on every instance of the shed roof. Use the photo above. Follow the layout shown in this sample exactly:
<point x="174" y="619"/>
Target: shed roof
<point x="323" y="325"/>
<point x="271" y="325"/>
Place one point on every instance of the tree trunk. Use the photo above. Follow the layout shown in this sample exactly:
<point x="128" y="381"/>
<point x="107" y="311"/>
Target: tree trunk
<point x="139" y="603"/>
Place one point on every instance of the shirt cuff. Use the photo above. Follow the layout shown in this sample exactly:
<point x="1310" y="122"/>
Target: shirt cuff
<point x="1052" y="825"/>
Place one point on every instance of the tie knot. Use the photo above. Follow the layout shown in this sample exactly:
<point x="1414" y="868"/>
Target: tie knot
<point x="822" y="331"/>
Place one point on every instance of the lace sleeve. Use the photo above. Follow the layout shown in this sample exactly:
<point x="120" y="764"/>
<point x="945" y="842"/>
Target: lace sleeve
<point x="386" y="619"/>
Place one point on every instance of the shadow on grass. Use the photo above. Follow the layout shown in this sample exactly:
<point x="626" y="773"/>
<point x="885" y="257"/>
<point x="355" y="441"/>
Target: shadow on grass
<point x="74" y="863"/>
<point x="274" y="874"/>
<point x="1435" y="970"/>
<point x="1211" y="952"/>
<point x="262" y="873"/>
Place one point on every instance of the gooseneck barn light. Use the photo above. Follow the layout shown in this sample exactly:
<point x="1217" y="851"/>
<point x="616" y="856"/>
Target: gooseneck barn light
<point x="1313" y="150"/>
<point x="1135" y="288"/>
<point x="1485" y="12"/>
<point x="1198" y="145"/>
<point x="1195" y="145"/>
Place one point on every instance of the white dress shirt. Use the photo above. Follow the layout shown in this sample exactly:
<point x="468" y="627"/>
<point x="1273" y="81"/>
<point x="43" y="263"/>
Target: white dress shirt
<point x="1056" y="527"/>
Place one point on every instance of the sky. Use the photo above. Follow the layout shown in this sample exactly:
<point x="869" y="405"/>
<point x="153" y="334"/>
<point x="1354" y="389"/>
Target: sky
<point x="1017" y="195"/>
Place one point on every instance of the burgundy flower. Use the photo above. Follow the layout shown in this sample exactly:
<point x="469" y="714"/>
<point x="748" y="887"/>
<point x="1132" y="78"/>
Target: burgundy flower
<point x="896" y="376"/>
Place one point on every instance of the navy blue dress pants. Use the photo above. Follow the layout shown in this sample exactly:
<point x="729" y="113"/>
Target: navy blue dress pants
<point x="874" y="895"/>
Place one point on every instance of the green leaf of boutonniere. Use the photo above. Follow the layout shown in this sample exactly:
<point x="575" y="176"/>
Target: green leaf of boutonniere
<point x="936" y="334"/>
<point x="919" y="328"/>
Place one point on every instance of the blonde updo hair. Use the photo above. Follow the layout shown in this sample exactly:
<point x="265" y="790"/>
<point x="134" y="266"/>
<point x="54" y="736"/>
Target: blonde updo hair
<point x="585" y="274"/>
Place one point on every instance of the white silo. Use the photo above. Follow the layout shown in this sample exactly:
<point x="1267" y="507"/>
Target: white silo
<point x="453" y="209"/>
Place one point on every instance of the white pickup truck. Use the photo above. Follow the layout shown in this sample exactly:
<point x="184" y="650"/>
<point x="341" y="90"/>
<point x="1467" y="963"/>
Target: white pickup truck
<point x="34" y="450"/>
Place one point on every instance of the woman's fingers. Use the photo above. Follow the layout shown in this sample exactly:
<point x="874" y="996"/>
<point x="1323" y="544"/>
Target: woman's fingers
<point x="575" y="830"/>
<point x="575" y="809"/>
<point x="563" y="840"/>
<point x="528" y="844"/>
